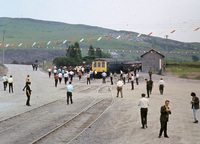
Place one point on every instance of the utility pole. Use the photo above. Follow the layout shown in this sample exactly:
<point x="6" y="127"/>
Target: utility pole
<point x="166" y="47"/>
<point x="3" y="44"/>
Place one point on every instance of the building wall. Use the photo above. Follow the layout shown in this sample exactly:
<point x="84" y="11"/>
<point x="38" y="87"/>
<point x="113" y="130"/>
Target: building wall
<point x="151" y="61"/>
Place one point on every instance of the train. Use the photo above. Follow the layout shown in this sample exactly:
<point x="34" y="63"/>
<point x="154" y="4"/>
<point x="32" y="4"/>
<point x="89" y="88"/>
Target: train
<point x="112" y="65"/>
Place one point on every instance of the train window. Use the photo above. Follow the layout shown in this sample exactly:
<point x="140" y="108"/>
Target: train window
<point x="99" y="64"/>
<point x="95" y="64"/>
<point x="103" y="64"/>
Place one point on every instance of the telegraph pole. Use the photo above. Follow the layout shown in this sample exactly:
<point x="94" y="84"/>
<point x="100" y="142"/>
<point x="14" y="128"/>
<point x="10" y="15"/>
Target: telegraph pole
<point x="3" y="44"/>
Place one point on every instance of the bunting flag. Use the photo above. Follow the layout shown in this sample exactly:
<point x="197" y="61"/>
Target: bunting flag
<point x="72" y="41"/>
<point x="81" y="40"/>
<point x="48" y="42"/>
<point x="56" y="43"/>
<point x="173" y="31"/>
<point x="64" y="41"/>
<point x="108" y="38"/>
<point x="1" y="45"/>
<point x="7" y="45"/>
<point x="33" y="44"/>
<point x="149" y="34"/>
<point x="128" y="36"/>
<point x="41" y="43"/>
<point x="139" y="35"/>
<point x="90" y="39"/>
<point x="197" y="29"/>
<point x="13" y="45"/>
<point x="99" y="39"/>
<point x="26" y="44"/>
<point x="118" y="36"/>
<point x="20" y="44"/>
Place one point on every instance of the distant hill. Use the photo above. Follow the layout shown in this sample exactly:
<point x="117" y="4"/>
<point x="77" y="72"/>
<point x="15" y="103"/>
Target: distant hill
<point x="25" y="30"/>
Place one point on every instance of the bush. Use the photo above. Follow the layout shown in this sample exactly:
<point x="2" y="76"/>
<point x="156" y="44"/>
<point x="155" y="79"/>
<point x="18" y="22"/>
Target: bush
<point x="64" y="61"/>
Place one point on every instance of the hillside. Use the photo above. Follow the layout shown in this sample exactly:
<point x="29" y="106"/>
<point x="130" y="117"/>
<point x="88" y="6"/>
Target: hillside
<point x="24" y="30"/>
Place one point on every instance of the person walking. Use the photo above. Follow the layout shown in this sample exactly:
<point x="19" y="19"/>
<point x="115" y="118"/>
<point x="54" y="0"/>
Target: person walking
<point x="119" y="88"/>
<point x="136" y="78"/>
<point x="5" y="82"/>
<point x="129" y="76"/>
<point x="150" y="85"/>
<point x="143" y="103"/>
<point x="69" y="92"/>
<point x="71" y="74"/>
<point x="88" y="78"/>
<point x="27" y="80"/>
<point x="79" y="75"/>
<point x="150" y="74"/>
<point x="28" y="93"/>
<point x="164" y="118"/>
<point x="66" y="77"/>
<point x="115" y="77"/>
<point x="54" y="72"/>
<point x="56" y="79"/>
<point x="104" y="76"/>
<point x="124" y="77"/>
<point x="60" y="77"/>
<point x="161" y="86"/>
<point x="147" y="87"/>
<point x="195" y="106"/>
<point x="111" y="78"/>
<point x="132" y="82"/>
<point x="10" y="83"/>
<point x="49" y="71"/>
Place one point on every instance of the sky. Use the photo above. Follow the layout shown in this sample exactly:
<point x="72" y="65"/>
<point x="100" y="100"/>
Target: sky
<point x="143" y="16"/>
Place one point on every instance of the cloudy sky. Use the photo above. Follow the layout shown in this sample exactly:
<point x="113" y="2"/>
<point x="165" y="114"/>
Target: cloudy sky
<point x="143" y="16"/>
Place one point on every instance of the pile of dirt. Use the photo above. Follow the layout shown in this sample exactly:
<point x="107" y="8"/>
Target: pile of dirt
<point x="30" y="55"/>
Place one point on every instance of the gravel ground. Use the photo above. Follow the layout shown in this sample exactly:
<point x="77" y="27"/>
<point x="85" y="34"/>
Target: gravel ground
<point x="121" y="123"/>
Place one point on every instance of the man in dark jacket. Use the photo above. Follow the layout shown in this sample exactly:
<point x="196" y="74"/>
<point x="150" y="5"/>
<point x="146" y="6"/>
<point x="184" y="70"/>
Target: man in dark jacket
<point x="195" y="106"/>
<point x="164" y="117"/>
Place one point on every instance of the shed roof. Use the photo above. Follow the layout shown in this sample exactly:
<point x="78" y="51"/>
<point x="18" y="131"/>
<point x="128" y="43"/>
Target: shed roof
<point x="152" y="51"/>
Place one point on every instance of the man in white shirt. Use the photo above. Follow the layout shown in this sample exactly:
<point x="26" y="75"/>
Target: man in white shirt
<point x="161" y="84"/>
<point x="119" y="88"/>
<point x="49" y="71"/>
<point x="10" y="82"/>
<point x="137" y="77"/>
<point x="143" y="103"/>
<point x="104" y="77"/>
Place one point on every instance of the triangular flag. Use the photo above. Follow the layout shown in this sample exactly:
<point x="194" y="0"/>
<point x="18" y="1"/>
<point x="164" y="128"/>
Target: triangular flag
<point x="7" y="45"/>
<point x="48" y="42"/>
<point x="108" y="38"/>
<point x="118" y="36"/>
<point x="20" y="44"/>
<point x="90" y="39"/>
<point x="149" y="34"/>
<point x="139" y="35"/>
<point x="41" y="43"/>
<point x="1" y="45"/>
<point x="81" y="40"/>
<point x="99" y="39"/>
<point x="64" y="41"/>
<point x="173" y="31"/>
<point x="128" y="36"/>
<point x="72" y="41"/>
<point x="27" y="44"/>
<point x="56" y="42"/>
<point x="33" y="44"/>
<point x="197" y="29"/>
<point x="13" y="45"/>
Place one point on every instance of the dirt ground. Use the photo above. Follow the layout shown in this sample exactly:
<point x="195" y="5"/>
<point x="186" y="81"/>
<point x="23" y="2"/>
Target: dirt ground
<point x="121" y="124"/>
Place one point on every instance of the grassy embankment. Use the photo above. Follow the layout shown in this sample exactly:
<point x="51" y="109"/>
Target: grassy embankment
<point x="190" y="70"/>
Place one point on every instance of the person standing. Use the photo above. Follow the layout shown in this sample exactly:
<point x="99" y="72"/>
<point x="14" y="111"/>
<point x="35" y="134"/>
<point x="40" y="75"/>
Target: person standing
<point x="150" y="74"/>
<point x="28" y="93"/>
<point x="164" y="118"/>
<point x="5" y="82"/>
<point x="150" y="85"/>
<point x="143" y="103"/>
<point x="119" y="88"/>
<point x="56" y="79"/>
<point x="124" y="77"/>
<point x="79" y="75"/>
<point x="111" y="78"/>
<point x="104" y="76"/>
<point x="129" y="76"/>
<point x="132" y="82"/>
<point x="137" y="77"/>
<point x="60" y="77"/>
<point x="88" y="78"/>
<point x="49" y="71"/>
<point x="195" y="106"/>
<point x="27" y="80"/>
<point x="66" y="77"/>
<point x="91" y="74"/>
<point x="147" y="87"/>
<point x="161" y="84"/>
<point x="71" y="74"/>
<point x="69" y="92"/>
<point x="115" y="77"/>
<point x="10" y="83"/>
<point x="54" y="72"/>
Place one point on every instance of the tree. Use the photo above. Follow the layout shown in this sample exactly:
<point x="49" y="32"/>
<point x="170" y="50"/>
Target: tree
<point x="195" y="58"/>
<point x="74" y="52"/>
<point x="98" y="53"/>
<point x="91" y="52"/>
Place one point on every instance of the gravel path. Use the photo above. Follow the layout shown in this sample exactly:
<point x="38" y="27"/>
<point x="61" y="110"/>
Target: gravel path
<point x="119" y="125"/>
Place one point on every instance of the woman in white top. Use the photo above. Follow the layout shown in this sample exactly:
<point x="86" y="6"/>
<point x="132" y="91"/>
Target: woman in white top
<point x="60" y="77"/>
<point x="66" y="77"/>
